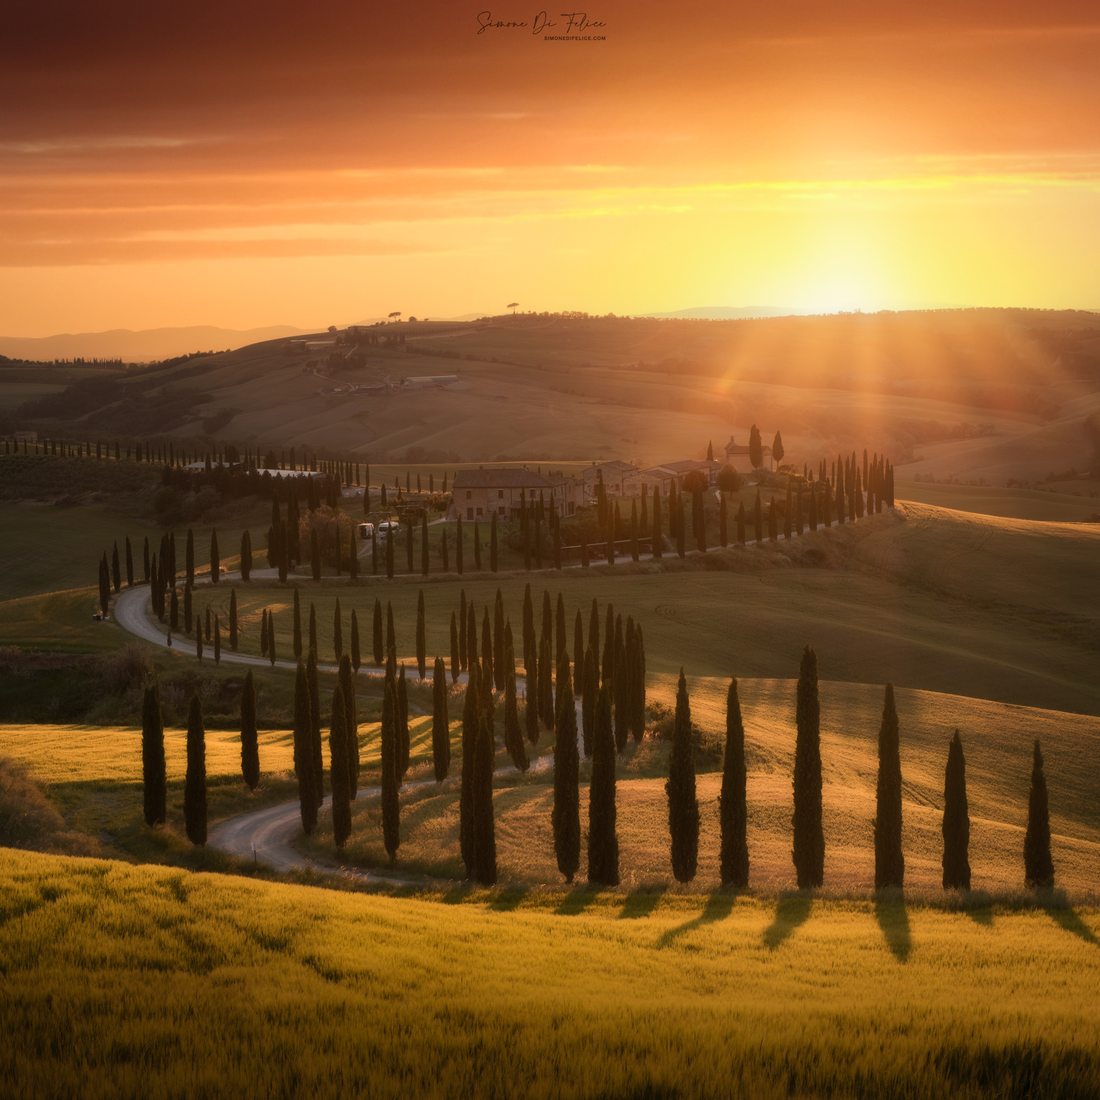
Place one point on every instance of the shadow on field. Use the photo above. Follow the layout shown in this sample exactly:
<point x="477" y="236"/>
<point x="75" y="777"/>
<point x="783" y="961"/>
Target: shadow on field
<point x="791" y="911"/>
<point x="457" y="894"/>
<point x="577" y="900"/>
<point x="641" y="902"/>
<point x="509" y="898"/>
<point x="718" y="907"/>
<point x="1066" y="917"/>
<point x="893" y="919"/>
<point x="979" y="908"/>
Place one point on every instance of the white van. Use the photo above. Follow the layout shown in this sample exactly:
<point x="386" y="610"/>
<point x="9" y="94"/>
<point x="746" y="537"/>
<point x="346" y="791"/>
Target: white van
<point x="366" y="530"/>
<point x="387" y="526"/>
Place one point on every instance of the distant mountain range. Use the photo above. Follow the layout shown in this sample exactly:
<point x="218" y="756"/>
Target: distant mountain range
<point x="732" y="313"/>
<point x="141" y="346"/>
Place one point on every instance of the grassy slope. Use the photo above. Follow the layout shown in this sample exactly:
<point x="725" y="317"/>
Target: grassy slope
<point x="1041" y="504"/>
<point x="123" y="980"/>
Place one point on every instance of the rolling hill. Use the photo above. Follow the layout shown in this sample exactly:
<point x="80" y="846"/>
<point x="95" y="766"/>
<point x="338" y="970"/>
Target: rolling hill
<point x="980" y="395"/>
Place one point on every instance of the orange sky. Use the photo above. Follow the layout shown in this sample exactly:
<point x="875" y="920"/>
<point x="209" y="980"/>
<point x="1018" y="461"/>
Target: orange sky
<point x="314" y="163"/>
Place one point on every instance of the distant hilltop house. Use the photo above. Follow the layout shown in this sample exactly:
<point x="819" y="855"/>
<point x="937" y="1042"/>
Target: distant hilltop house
<point x="737" y="456"/>
<point x="487" y="491"/>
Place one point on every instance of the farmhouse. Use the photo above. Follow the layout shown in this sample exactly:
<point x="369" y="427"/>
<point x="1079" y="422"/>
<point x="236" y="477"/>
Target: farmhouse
<point x="737" y="455"/>
<point x="481" y="493"/>
<point x="613" y="475"/>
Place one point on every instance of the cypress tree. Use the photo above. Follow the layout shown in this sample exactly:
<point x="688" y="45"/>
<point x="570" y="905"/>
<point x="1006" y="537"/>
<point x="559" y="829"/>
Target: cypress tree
<point x="456" y="663"/>
<point x="578" y="653"/>
<point x="808" y="850"/>
<point x="338" y="762"/>
<point x="559" y="628"/>
<point x="145" y="560"/>
<point x="603" y="843"/>
<point x="566" y="812"/>
<point x="189" y="556"/>
<point x="153" y="770"/>
<point x="441" y="732"/>
<point x="683" y="808"/>
<point x="545" y="684"/>
<point x="487" y="652"/>
<point x="530" y="653"/>
<point x="215" y="558"/>
<point x="463" y="657"/>
<point x="246" y="556"/>
<point x="174" y="611"/>
<point x="356" y="654"/>
<point x="732" y="806"/>
<point x="547" y="620"/>
<point x="889" y="861"/>
<point x="391" y="806"/>
<point x="589" y="689"/>
<point x="129" y="563"/>
<point x="607" y="664"/>
<point x="250" y="748"/>
<point x="513" y="734"/>
<point x="194" y="787"/>
<point x="270" y="637"/>
<point x="484" y="830"/>
<point x="594" y="640"/>
<point x="531" y="708"/>
<point x="337" y="632"/>
<point x="500" y="673"/>
<point x="315" y="725"/>
<point x="234" y="625"/>
<point x="351" y="723"/>
<point x="303" y="752"/>
<point x="116" y="569"/>
<point x="1038" y="865"/>
<point x="421" y="642"/>
<point x="471" y="637"/>
<point x="105" y="587"/>
<point x="620" y="692"/>
<point x="376" y="633"/>
<point x="471" y="710"/>
<point x="404" y="747"/>
<point x="956" y="820"/>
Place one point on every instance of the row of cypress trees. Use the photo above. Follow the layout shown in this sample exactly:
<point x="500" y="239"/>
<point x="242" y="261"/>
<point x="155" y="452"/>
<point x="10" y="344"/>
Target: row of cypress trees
<point x="154" y="767"/>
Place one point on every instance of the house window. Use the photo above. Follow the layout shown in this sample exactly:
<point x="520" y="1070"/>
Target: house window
<point x="479" y="512"/>
<point x="469" y="513"/>
<point x="469" y="494"/>
<point x="500" y="509"/>
<point x="500" y="494"/>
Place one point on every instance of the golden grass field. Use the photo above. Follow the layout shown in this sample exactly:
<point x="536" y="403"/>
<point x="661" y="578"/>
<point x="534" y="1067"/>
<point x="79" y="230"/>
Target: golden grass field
<point x="123" y="980"/>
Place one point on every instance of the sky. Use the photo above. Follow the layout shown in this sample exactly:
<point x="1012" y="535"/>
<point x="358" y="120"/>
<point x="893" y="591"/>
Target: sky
<point x="245" y="164"/>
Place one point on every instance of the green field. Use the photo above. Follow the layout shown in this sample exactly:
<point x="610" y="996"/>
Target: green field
<point x="128" y="980"/>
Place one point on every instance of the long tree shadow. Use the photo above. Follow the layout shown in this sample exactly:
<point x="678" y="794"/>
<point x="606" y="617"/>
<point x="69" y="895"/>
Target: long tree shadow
<point x="978" y="906"/>
<point x="641" y="902"/>
<point x="893" y="919"/>
<point x="791" y="911"/>
<point x="457" y="894"/>
<point x="1065" y="916"/>
<point x="577" y="900"/>
<point x="509" y="898"/>
<point x="718" y="907"/>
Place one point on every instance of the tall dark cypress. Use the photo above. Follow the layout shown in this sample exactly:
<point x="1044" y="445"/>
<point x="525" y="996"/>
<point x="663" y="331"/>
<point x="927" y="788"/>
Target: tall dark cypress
<point x="421" y="641"/>
<point x="338" y="765"/>
<point x="1038" y="865"/>
<point x="566" y="812"/>
<point x="246" y="556"/>
<point x="356" y="654"/>
<point x="594" y="638"/>
<point x="603" y="842"/>
<point x="471" y="715"/>
<point x="487" y="651"/>
<point x="889" y="860"/>
<point x="732" y="806"/>
<point x="105" y="587"/>
<point x="808" y="850"/>
<point x="683" y="807"/>
<point x="153" y="770"/>
<point x="391" y="806"/>
<point x="513" y="735"/>
<point x="530" y="651"/>
<point x="391" y="634"/>
<point x="463" y="657"/>
<point x="315" y="725"/>
<point x="456" y="663"/>
<point x="351" y="723"/>
<point x="215" y="559"/>
<point x="404" y="745"/>
<point x="250" y="744"/>
<point x="194" y="787"/>
<point x="129" y="563"/>
<point x="483" y="825"/>
<point x="116" y="569"/>
<point x="560" y="641"/>
<point x="441" y="731"/>
<point x="956" y="820"/>
<point x="303" y="752"/>
<point x="376" y="633"/>
<point x="589" y="690"/>
<point x="578" y="653"/>
<point x="500" y="673"/>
